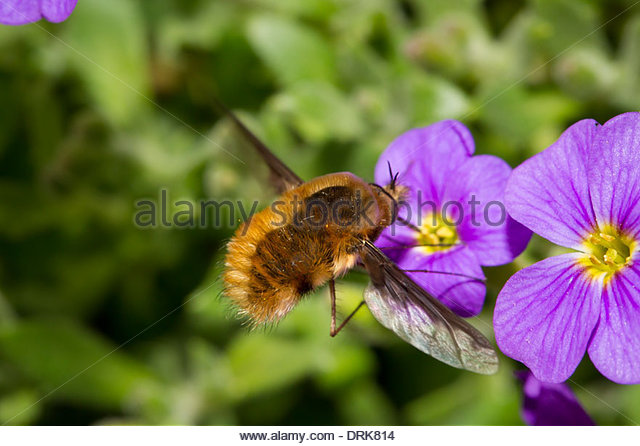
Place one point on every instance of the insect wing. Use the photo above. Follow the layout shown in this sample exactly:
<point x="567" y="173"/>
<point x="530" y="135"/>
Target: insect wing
<point x="281" y="176"/>
<point x="420" y="319"/>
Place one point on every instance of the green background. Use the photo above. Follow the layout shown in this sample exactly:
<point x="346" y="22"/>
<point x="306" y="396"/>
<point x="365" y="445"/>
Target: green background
<point x="105" y="323"/>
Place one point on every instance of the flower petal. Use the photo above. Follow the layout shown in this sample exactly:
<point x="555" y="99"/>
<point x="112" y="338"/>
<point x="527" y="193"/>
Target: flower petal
<point x="57" y="10"/>
<point x="613" y="173"/>
<point x="19" y="12"/>
<point x="615" y="347"/>
<point x="396" y="241"/>
<point x="455" y="277"/>
<point x="550" y="404"/>
<point x="484" y="225"/>
<point x="431" y="152"/>
<point x="422" y="195"/>
<point x="545" y="315"/>
<point x="549" y="193"/>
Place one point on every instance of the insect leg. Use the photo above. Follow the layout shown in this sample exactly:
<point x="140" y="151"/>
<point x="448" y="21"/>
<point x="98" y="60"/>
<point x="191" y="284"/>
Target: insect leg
<point x="336" y="331"/>
<point x="332" y="291"/>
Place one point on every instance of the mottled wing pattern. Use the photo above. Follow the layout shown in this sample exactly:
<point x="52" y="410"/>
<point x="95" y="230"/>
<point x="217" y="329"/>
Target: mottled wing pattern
<point x="420" y="319"/>
<point x="281" y="176"/>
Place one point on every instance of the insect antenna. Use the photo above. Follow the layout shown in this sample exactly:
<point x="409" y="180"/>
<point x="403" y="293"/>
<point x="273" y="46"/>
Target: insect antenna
<point x="392" y="177"/>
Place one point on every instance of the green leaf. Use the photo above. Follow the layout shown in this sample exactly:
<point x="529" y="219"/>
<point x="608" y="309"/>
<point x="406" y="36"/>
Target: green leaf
<point x="345" y="364"/>
<point x="587" y="74"/>
<point x="203" y="29"/>
<point x="472" y="399"/>
<point x="565" y="24"/>
<point x="523" y="117"/>
<point x="265" y="362"/>
<point x="105" y="43"/>
<point x="291" y="50"/>
<point x="365" y="404"/>
<point x="314" y="9"/>
<point x="320" y="112"/>
<point x="438" y="10"/>
<point x="434" y="99"/>
<point x="628" y="89"/>
<point x="19" y="407"/>
<point x="70" y="363"/>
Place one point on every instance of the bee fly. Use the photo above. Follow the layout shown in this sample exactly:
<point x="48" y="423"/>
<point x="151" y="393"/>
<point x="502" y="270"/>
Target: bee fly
<point x="316" y="232"/>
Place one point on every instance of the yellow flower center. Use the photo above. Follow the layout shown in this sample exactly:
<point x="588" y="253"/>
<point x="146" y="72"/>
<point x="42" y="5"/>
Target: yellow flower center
<point x="436" y="234"/>
<point x="608" y="251"/>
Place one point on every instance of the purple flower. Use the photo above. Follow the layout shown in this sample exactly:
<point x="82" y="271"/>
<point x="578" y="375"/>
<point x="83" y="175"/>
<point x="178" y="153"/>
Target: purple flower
<point x="452" y="220"/>
<point x="20" y="12"/>
<point x="550" y="404"/>
<point x="583" y="193"/>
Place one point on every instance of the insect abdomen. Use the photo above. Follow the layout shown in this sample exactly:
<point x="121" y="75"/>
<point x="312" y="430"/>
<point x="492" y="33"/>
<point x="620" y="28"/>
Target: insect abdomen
<point x="287" y="263"/>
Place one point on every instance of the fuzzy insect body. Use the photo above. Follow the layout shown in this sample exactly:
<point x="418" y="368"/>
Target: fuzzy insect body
<point x="313" y="233"/>
<point x="318" y="230"/>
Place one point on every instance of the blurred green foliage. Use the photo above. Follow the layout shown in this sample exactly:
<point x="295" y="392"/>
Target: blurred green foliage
<point x="102" y="322"/>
